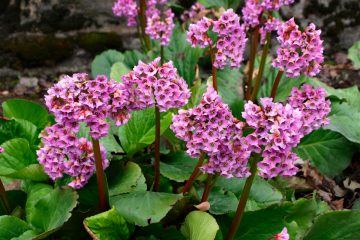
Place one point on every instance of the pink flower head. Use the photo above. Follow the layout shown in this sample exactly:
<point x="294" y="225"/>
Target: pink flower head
<point x="277" y="128"/>
<point x="313" y="105"/>
<point x="210" y="128"/>
<point x="192" y="12"/>
<point x="151" y="85"/>
<point x="271" y="25"/>
<point x="160" y="23"/>
<point x="251" y="13"/>
<point x="299" y="52"/>
<point x="231" y="38"/>
<point x="77" y="98"/>
<point x="2" y="150"/>
<point x="128" y="9"/>
<point x="63" y="153"/>
<point x="283" y="235"/>
<point x="274" y="5"/>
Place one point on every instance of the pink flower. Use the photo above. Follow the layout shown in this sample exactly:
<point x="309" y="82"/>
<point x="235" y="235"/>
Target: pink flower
<point x="299" y="52"/>
<point x="150" y="85"/>
<point x="160" y="23"/>
<point x="78" y="99"/>
<point x="283" y="235"/>
<point x="210" y="128"/>
<point x="231" y="38"/>
<point x="63" y="153"/>
<point x="192" y="12"/>
<point x="128" y="9"/>
<point x="2" y="150"/>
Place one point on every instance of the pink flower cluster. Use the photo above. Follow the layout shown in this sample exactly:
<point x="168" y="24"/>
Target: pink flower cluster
<point x="150" y="85"/>
<point x="231" y="38"/>
<point x="313" y="105"/>
<point x="253" y="10"/>
<point x="192" y="12"/>
<point x="210" y="128"/>
<point x="271" y="25"/>
<point x="2" y="150"/>
<point x="299" y="52"/>
<point x="160" y="23"/>
<point x="64" y="154"/>
<point x="128" y="9"/>
<point x="277" y="128"/>
<point x="77" y="99"/>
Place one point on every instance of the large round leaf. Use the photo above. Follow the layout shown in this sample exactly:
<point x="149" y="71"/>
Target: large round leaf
<point x="144" y="208"/>
<point x="48" y="209"/>
<point x="18" y="128"/>
<point x="12" y="227"/>
<point x="199" y="226"/>
<point x="107" y="225"/>
<point x="328" y="151"/>
<point x="103" y="62"/>
<point x="177" y="166"/>
<point x="30" y="111"/>
<point x="344" y="225"/>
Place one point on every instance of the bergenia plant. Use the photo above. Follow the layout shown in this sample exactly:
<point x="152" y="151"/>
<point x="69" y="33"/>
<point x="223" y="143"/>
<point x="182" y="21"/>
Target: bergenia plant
<point x="147" y="148"/>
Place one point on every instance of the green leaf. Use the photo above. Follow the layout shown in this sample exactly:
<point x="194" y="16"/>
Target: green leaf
<point x="140" y="130"/>
<point x="125" y="179"/>
<point x="48" y="209"/>
<point x="158" y="231"/>
<point x="144" y="208"/>
<point x="328" y="151"/>
<point x="285" y="86"/>
<point x="131" y="58"/>
<point x="183" y="55"/>
<point x="199" y="226"/>
<point x="19" y="161"/>
<point x="18" y="128"/>
<point x="354" y="54"/>
<point x="177" y="166"/>
<point x="221" y="3"/>
<point x="197" y="91"/>
<point x="103" y="62"/>
<point x="336" y="225"/>
<point x="222" y="202"/>
<point x="262" y="194"/>
<point x="12" y="227"/>
<point x="108" y="225"/>
<point x="26" y="110"/>
<point x="118" y="70"/>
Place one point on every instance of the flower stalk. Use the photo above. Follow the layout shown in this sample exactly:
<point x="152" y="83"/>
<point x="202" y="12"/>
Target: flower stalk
<point x="4" y="199"/>
<point x="254" y="44"/>
<point x="194" y="174"/>
<point x="244" y="197"/>
<point x="276" y="84"/>
<point x="142" y="18"/>
<point x="262" y="66"/>
<point x="213" y="68"/>
<point x="100" y="176"/>
<point x="157" y="151"/>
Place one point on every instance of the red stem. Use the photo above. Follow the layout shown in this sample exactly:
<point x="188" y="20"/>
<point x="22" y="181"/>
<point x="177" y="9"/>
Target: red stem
<point x="194" y="174"/>
<point x="276" y="84"/>
<point x="253" y="48"/>
<point x="213" y="68"/>
<point x="142" y="17"/>
<point x="4" y="198"/>
<point x="100" y="175"/>
<point x="157" y="151"/>
<point x="207" y="189"/>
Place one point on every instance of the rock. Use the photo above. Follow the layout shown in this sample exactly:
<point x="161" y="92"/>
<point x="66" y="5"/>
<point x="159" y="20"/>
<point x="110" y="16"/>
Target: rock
<point x="29" y="82"/>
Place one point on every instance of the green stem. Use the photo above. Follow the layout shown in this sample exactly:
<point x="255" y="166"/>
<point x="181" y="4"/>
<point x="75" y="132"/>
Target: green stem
<point x="194" y="174"/>
<point x="253" y="48"/>
<point x="142" y="17"/>
<point x="162" y="60"/>
<point x="4" y="198"/>
<point x="276" y="84"/>
<point x="157" y="151"/>
<point x="213" y="68"/>
<point x="100" y="175"/>
<point x="262" y="66"/>
<point x="244" y="197"/>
